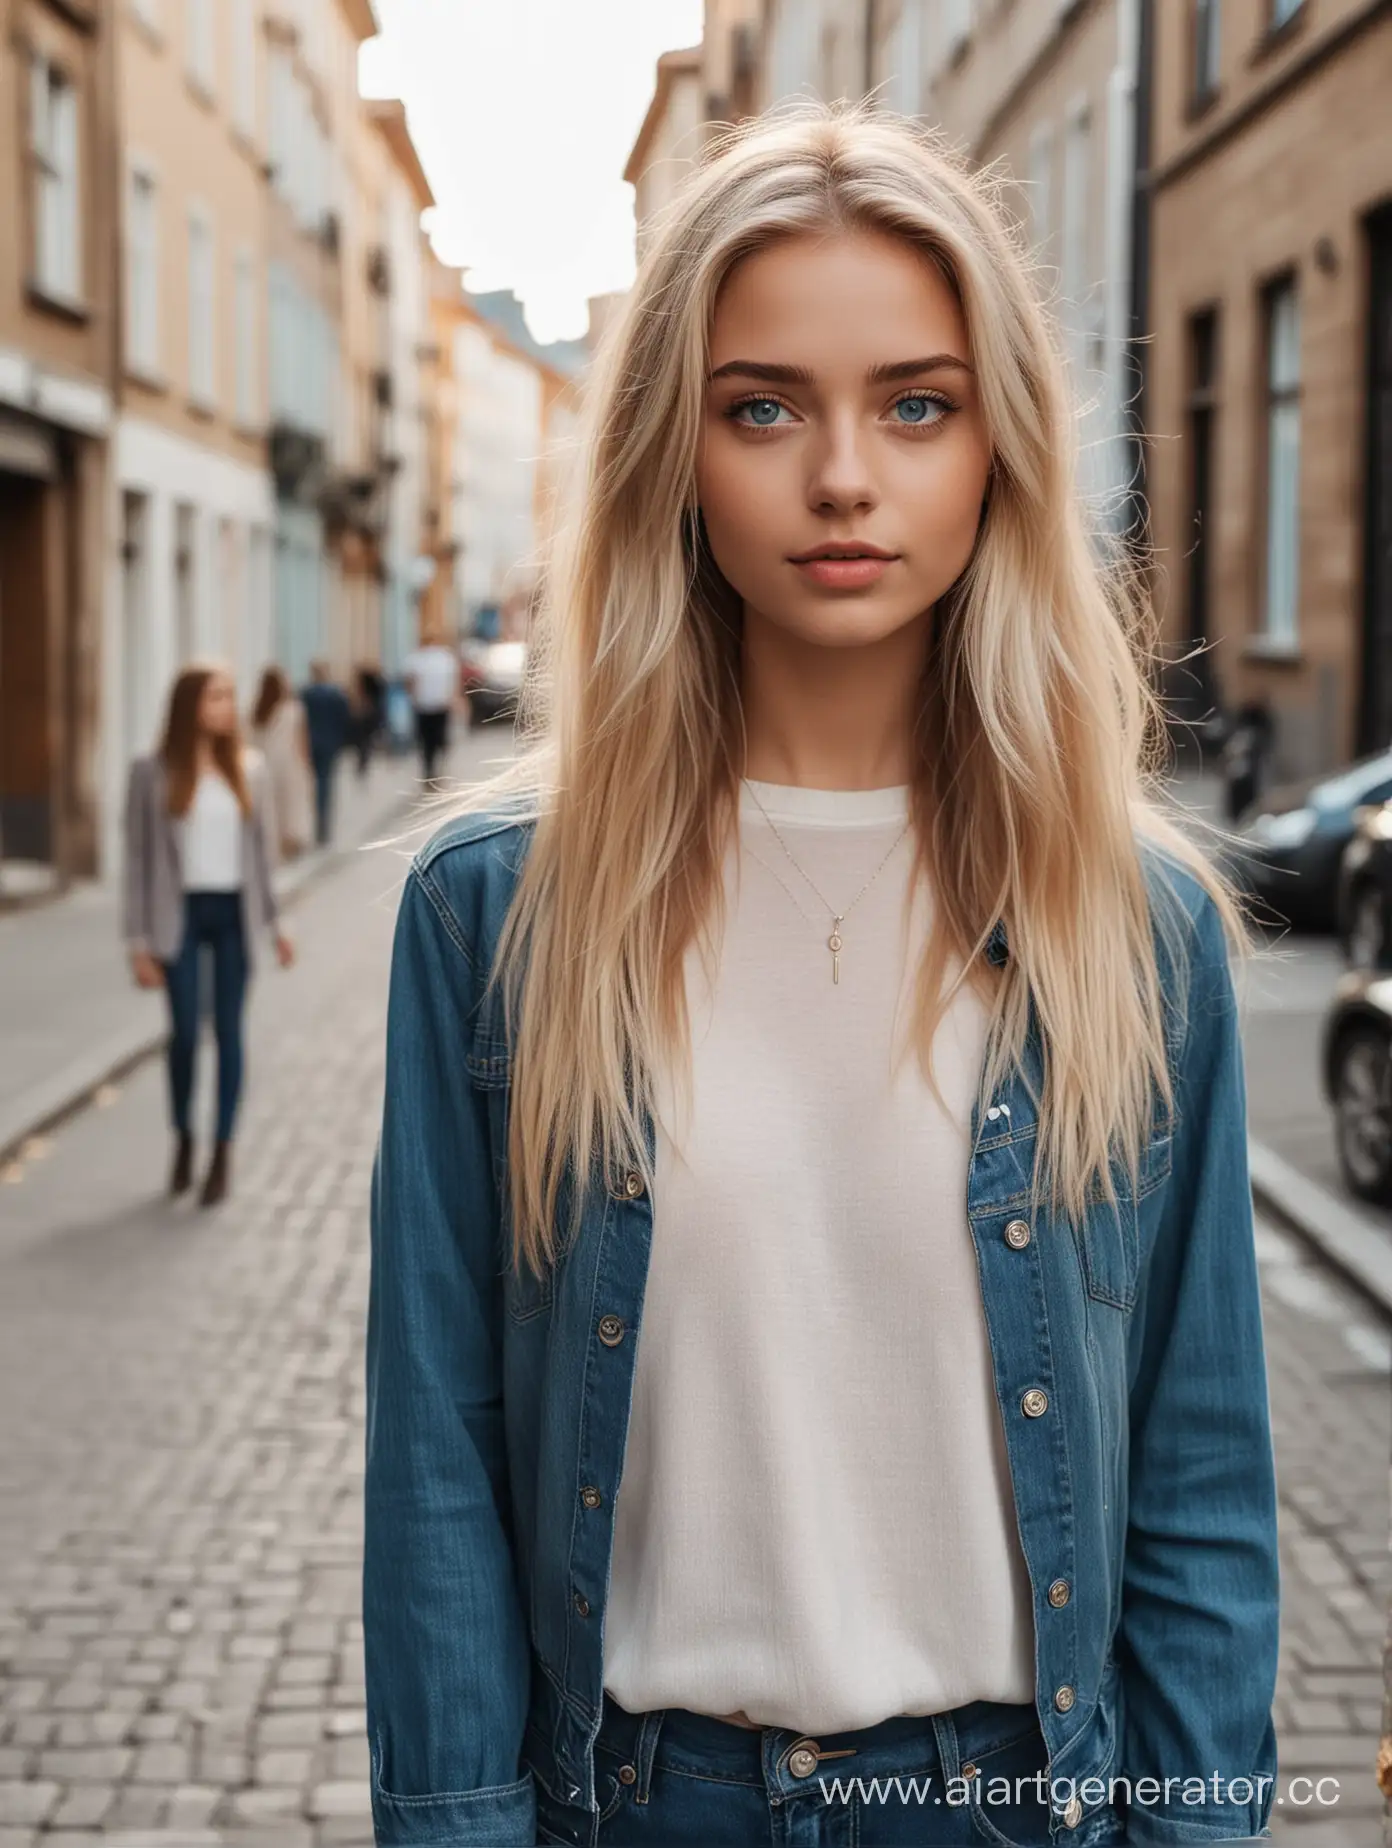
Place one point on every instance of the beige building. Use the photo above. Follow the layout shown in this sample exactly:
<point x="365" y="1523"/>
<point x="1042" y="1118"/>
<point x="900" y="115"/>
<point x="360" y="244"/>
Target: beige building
<point x="57" y="358"/>
<point x="1047" y="95"/>
<point x="1270" y="388"/>
<point x="192" y="517"/>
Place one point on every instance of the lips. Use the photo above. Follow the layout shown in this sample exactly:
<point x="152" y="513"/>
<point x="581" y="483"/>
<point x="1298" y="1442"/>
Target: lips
<point x="842" y="549"/>
<point x="849" y="565"/>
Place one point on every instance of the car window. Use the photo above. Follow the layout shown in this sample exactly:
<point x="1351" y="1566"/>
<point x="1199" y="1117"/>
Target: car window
<point x="1365" y="782"/>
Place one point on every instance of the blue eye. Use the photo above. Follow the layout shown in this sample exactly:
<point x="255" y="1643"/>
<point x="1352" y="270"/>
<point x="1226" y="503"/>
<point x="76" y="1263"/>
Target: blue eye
<point x="763" y="412"/>
<point x="918" y="408"/>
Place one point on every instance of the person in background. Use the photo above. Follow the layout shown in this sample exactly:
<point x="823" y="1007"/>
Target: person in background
<point x="199" y="848"/>
<point x="369" y="711"/>
<point x="330" y="721"/>
<point x="279" y="732"/>
<point x="432" y="678"/>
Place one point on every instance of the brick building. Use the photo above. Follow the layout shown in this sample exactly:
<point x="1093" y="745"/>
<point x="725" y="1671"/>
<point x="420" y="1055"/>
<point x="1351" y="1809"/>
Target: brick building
<point x="57" y="358"/>
<point x="1270" y="389"/>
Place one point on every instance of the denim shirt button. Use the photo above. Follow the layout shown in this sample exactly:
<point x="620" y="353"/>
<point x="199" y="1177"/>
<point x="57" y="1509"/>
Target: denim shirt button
<point x="1064" y="1698"/>
<point x="1017" y="1235"/>
<point x="590" y="1496"/>
<point x="1035" y="1403"/>
<point x="1059" y="1593"/>
<point x="582" y="1605"/>
<point x="611" y="1330"/>
<point x="1073" y="1815"/>
<point x="633" y="1185"/>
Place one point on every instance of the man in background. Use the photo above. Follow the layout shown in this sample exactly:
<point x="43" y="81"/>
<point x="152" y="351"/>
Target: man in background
<point x="329" y="720"/>
<point x="432" y="678"/>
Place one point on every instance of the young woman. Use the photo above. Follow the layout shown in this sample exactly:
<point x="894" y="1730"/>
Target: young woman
<point x="278" y="731"/>
<point x="814" y="1333"/>
<point x="199" y="855"/>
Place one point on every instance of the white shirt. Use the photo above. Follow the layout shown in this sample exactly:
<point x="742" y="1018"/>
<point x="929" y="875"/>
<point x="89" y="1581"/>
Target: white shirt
<point x="434" y="676"/>
<point x="815" y="1525"/>
<point x="210" y="837"/>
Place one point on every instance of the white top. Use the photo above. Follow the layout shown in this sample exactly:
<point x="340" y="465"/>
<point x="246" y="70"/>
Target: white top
<point x="210" y="837"/>
<point x="434" y="676"/>
<point x="815" y="1526"/>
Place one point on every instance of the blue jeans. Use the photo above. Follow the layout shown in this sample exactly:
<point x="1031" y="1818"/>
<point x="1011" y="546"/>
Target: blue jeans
<point x="212" y="920"/>
<point x="974" y="1776"/>
<point x="324" y="768"/>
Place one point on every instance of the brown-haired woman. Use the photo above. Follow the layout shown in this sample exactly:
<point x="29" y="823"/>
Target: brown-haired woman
<point x="198" y="874"/>
<point x="278" y="731"/>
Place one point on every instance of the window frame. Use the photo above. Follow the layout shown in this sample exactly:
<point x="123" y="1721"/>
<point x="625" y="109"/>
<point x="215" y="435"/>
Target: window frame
<point x="1205" y="53"/>
<point x="1278" y="631"/>
<point x="140" y="361"/>
<point x="201" y="284"/>
<point x="56" y="266"/>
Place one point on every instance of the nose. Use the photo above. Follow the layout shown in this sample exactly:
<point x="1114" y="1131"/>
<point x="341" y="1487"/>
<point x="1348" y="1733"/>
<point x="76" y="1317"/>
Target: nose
<point x="841" y="481"/>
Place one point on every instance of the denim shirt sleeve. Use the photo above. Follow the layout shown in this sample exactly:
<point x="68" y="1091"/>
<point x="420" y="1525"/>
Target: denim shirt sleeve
<point x="445" y="1641"/>
<point x="1197" y="1643"/>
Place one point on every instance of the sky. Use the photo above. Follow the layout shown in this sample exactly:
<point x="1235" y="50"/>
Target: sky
<point x="524" y="112"/>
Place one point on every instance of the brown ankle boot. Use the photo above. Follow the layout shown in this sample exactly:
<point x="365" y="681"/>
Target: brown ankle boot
<point x="218" y="1175"/>
<point x="181" y="1177"/>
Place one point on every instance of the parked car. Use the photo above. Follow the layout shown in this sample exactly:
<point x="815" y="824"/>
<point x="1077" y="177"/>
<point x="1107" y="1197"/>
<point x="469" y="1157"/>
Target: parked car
<point x="491" y="676"/>
<point x="1365" y="890"/>
<point x="1292" y="840"/>
<point x="1358" y="1081"/>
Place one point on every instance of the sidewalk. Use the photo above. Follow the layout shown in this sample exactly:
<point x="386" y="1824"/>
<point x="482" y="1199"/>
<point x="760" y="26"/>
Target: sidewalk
<point x="72" y="1017"/>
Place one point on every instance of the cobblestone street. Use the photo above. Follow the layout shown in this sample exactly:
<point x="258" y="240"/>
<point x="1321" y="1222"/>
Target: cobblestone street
<point x="181" y="1437"/>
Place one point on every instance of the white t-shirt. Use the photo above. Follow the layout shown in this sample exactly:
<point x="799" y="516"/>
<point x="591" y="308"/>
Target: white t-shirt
<point x="434" y="676"/>
<point x="815" y="1525"/>
<point x="211" y="837"/>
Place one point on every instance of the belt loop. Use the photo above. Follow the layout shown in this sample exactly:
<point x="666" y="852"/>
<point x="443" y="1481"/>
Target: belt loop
<point x="645" y="1750"/>
<point x="949" y="1753"/>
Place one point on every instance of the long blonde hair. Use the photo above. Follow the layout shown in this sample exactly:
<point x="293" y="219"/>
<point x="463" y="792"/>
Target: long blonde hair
<point x="1034" y="781"/>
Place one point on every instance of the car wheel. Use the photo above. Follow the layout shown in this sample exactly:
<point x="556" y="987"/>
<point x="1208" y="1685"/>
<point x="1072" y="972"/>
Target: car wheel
<point x="1367" y="931"/>
<point x="1363" y="1112"/>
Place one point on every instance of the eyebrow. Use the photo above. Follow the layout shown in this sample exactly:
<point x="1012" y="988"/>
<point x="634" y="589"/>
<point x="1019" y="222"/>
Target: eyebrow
<point x="889" y="374"/>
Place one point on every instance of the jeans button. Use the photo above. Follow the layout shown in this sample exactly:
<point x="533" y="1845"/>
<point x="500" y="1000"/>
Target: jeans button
<point x="1035" y="1403"/>
<point x="802" y="1760"/>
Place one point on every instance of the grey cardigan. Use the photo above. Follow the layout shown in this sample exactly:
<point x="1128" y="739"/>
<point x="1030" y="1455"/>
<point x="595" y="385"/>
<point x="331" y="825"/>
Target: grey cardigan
<point x="154" y="886"/>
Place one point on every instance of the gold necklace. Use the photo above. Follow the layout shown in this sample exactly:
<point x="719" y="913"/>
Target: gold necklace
<point x="835" y="942"/>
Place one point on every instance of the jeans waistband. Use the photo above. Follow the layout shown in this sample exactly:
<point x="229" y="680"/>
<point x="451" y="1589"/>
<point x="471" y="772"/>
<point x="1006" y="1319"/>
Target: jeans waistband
<point x="769" y="1755"/>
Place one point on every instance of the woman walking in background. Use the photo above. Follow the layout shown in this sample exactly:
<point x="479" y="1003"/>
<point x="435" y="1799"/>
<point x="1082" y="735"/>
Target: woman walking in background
<point x="279" y="732"/>
<point x="198" y="876"/>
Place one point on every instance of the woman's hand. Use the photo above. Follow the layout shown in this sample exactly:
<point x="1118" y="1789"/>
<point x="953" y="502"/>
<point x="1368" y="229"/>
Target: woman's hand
<point x="285" y="950"/>
<point x="146" y="970"/>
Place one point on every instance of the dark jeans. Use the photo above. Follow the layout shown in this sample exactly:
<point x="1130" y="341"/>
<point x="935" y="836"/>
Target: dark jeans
<point x="324" y="768"/>
<point x="976" y="1776"/>
<point x="212" y="920"/>
<point x="432" y="734"/>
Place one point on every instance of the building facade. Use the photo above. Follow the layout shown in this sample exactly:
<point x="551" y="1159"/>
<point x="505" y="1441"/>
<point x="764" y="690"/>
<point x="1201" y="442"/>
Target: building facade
<point x="192" y="515"/>
<point x="1270" y="390"/>
<point x="57" y="387"/>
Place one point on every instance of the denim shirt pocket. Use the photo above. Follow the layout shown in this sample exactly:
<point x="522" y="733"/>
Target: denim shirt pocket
<point x="1110" y="1237"/>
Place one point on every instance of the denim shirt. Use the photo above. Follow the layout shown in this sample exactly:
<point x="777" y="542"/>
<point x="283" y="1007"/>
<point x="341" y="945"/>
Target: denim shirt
<point x="1127" y="1351"/>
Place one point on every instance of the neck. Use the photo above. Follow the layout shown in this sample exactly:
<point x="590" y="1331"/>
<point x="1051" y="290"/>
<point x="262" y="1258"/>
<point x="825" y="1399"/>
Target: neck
<point x="830" y="714"/>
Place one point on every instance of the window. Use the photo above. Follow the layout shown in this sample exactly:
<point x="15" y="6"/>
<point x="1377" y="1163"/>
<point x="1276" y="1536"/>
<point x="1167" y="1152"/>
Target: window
<point x="53" y="148"/>
<point x="1202" y="411"/>
<point x="185" y="579"/>
<point x="1282" y="11"/>
<point x="142" y="273"/>
<point x="244" y="309"/>
<point x="1077" y="165"/>
<point x="1041" y="177"/>
<point x="244" y="66"/>
<point x="200" y="49"/>
<point x="1280" y="591"/>
<point x="957" y="22"/>
<point x="1207" y="47"/>
<point x="908" y="54"/>
<point x="200" y="302"/>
